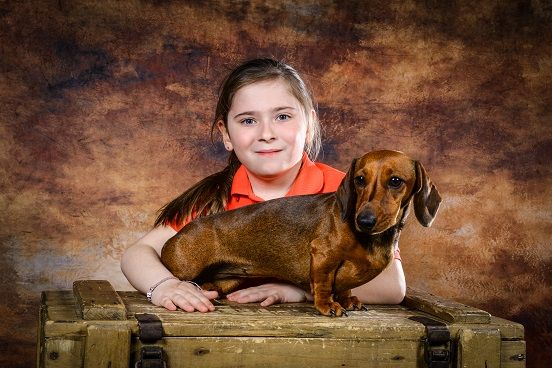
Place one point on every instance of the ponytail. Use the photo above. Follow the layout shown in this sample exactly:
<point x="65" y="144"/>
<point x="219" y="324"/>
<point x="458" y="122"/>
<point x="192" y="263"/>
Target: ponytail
<point x="206" y="197"/>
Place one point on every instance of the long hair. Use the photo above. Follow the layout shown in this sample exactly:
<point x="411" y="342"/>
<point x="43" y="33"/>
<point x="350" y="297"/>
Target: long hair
<point x="211" y="194"/>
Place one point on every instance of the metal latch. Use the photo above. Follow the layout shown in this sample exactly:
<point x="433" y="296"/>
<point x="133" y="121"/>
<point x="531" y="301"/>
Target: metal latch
<point x="151" y="330"/>
<point x="438" y="344"/>
<point x="151" y="357"/>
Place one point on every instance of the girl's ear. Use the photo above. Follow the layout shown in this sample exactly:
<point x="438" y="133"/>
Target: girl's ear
<point x="225" y="136"/>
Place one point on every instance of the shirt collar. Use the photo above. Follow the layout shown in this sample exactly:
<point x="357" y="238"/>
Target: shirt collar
<point x="309" y="180"/>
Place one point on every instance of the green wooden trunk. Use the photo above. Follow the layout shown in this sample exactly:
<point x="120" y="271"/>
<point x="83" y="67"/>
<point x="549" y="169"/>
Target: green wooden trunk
<point x="94" y="326"/>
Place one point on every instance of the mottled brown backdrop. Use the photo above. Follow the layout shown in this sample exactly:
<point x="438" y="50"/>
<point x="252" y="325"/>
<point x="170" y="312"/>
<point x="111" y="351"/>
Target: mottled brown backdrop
<point x="105" y="114"/>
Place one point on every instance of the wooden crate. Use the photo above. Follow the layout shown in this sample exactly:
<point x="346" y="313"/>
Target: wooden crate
<point x="94" y="326"/>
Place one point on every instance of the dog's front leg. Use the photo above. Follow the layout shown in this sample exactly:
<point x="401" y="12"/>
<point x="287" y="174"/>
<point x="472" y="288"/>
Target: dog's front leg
<point x="322" y="275"/>
<point x="349" y="301"/>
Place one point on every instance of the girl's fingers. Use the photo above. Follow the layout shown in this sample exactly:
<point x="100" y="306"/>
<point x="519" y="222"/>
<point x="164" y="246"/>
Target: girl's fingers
<point x="269" y="294"/>
<point x="191" y="301"/>
<point x="186" y="297"/>
<point x="251" y="297"/>
<point x="269" y="301"/>
<point x="189" y="298"/>
<point x="256" y="294"/>
<point x="210" y="294"/>
<point x="168" y="304"/>
<point x="184" y="305"/>
<point x="244" y="295"/>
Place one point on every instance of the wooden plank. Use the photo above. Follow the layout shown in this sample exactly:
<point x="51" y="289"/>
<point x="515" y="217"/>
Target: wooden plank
<point x="97" y="300"/>
<point x="512" y="354"/>
<point x="62" y="353"/>
<point x="107" y="346"/>
<point x="282" y="320"/>
<point x="271" y="352"/>
<point x="40" y="336"/>
<point x="509" y="330"/>
<point x="479" y="348"/>
<point x="232" y="320"/>
<point x="447" y="310"/>
<point x="361" y="325"/>
<point x="371" y="325"/>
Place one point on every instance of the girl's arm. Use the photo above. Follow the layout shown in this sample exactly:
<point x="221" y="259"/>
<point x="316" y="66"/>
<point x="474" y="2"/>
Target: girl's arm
<point x="389" y="287"/>
<point x="142" y="266"/>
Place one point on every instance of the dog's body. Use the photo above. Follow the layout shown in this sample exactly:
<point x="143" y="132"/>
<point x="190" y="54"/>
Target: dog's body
<point x="324" y="243"/>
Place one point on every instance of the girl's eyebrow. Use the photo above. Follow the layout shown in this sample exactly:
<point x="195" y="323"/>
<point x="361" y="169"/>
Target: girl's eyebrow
<point x="284" y="108"/>
<point x="274" y="110"/>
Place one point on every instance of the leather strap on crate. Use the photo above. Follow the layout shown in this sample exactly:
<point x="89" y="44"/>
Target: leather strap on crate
<point x="438" y="344"/>
<point x="151" y="357"/>
<point x="151" y="330"/>
<point x="150" y="327"/>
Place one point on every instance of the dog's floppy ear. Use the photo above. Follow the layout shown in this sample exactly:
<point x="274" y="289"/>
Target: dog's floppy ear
<point x="346" y="194"/>
<point x="426" y="197"/>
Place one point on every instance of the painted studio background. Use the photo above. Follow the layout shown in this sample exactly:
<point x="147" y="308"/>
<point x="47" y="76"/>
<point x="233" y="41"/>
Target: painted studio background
<point x="106" y="108"/>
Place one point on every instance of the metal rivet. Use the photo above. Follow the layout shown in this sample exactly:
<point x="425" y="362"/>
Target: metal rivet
<point x="54" y="355"/>
<point x="201" y="351"/>
<point x="518" y="357"/>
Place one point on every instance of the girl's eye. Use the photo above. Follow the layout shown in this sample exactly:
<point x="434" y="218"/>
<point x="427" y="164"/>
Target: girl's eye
<point x="248" y="121"/>
<point x="283" y="117"/>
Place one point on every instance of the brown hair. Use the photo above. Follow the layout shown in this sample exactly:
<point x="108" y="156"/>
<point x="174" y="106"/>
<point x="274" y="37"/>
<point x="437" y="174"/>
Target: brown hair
<point x="211" y="194"/>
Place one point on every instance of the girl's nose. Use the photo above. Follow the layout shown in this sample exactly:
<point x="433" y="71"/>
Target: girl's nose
<point x="266" y="132"/>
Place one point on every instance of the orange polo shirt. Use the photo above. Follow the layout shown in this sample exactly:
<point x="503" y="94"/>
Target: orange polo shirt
<point x="313" y="178"/>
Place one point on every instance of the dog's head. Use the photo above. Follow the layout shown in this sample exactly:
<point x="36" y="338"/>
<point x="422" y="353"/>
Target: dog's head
<point x="378" y="188"/>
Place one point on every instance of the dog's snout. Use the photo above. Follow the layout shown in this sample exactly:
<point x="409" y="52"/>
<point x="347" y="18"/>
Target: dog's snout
<point x="366" y="221"/>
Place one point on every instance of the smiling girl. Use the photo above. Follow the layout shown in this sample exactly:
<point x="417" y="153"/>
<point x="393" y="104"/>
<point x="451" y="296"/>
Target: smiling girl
<point x="269" y="125"/>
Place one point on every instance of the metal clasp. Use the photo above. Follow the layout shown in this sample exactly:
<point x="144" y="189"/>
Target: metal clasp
<point x="151" y="357"/>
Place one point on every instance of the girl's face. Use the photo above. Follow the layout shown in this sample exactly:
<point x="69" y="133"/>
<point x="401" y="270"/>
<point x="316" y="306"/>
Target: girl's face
<point x="267" y="128"/>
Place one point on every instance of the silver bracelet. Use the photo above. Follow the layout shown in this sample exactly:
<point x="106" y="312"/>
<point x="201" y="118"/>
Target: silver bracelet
<point x="151" y="289"/>
<point x="195" y="284"/>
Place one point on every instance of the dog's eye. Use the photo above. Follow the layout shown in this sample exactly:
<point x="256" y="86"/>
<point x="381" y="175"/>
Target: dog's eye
<point x="395" y="182"/>
<point x="360" y="181"/>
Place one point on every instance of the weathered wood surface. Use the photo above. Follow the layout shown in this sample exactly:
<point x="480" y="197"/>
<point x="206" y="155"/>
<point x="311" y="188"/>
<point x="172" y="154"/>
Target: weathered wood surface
<point x="286" y="335"/>
<point x="97" y="300"/>
<point x="63" y="352"/>
<point x="479" y="347"/>
<point x="214" y="352"/>
<point x="229" y="319"/>
<point x="447" y="310"/>
<point x="512" y="354"/>
<point x="107" y="346"/>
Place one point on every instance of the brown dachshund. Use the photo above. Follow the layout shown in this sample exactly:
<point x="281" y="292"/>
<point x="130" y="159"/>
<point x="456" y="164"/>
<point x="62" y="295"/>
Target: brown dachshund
<point x="324" y="243"/>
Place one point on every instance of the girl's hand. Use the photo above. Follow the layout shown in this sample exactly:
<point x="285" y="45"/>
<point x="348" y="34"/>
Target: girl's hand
<point x="174" y="293"/>
<point x="269" y="294"/>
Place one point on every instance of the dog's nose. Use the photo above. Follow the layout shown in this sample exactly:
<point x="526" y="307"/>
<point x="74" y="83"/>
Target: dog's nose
<point x="366" y="221"/>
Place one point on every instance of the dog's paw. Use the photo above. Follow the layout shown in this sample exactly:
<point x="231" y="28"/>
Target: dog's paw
<point x="351" y="303"/>
<point x="331" y="309"/>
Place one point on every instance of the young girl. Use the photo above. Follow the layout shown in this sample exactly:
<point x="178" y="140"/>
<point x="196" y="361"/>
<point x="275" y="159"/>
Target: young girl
<point x="269" y="125"/>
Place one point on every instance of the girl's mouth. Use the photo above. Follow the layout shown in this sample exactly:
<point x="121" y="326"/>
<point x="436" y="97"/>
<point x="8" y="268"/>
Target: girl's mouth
<point x="270" y="152"/>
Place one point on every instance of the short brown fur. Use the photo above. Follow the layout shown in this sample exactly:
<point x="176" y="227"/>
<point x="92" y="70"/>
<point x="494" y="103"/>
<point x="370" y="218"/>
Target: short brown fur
<point x="324" y="243"/>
